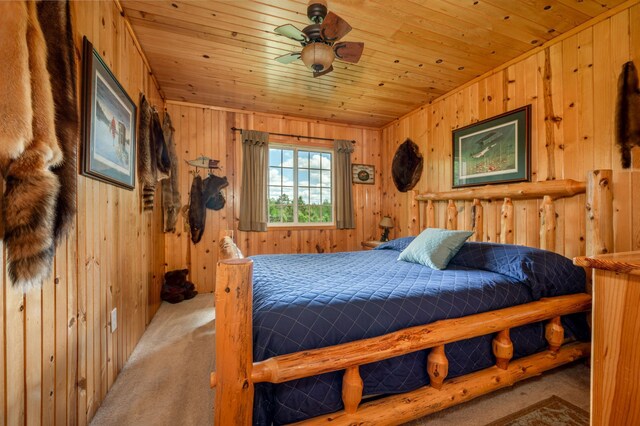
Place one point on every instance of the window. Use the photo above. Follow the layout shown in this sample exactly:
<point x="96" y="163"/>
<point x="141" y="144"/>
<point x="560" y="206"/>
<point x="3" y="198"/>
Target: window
<point x="300" y="186"/>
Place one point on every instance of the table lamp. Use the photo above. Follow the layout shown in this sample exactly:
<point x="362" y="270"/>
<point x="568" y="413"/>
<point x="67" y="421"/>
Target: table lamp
<point x="385" y="223"/>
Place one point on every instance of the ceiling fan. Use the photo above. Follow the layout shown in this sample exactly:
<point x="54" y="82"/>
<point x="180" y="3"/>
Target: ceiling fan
<point x="320" y="40"/>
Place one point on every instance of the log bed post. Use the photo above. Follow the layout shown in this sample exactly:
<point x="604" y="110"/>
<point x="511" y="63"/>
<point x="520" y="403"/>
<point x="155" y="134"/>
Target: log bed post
<point x="554" y="333"/>
<point x="352" y="387"/>
<point x="506" y="222"/>
<point x="452" y="216"/>
<point x="478" y="217"/>
<point x="234" y="337"/>
<point x="431" y="215"/>
<point x="437" y="366"/>
<point x="548" y="224"/>
<point x="502" y="349"/>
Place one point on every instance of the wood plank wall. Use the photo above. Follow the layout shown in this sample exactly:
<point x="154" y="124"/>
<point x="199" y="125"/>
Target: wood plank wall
<point x="572" y="87"/>
<point x="202" y="130"/>
<point x="59" y="357"/>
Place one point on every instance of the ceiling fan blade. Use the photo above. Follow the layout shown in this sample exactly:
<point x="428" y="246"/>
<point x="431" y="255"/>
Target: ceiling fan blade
<point x="292" y="32"/>
<point x="327" y="71"/>
<point x="288" y="58"/>
<point x="334" y="27"/>
<point x="348" y="51"/>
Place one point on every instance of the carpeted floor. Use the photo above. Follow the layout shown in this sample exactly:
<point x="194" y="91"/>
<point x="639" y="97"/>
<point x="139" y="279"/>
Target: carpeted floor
<point x="166" y="380"/>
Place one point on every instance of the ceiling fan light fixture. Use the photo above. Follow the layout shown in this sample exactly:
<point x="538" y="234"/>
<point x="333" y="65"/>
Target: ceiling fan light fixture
<point x="317" y="56"/>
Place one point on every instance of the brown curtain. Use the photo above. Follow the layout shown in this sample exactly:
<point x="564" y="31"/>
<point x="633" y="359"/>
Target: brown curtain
<point x="253" y="195"/>
<point x="344" y="200"/>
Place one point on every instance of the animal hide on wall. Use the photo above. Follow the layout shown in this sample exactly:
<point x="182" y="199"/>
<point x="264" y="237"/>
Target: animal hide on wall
<point x="15" y="92"/>
<point x="146" y="155"/>
<point x="406" y="168"/>
<point x="55" y="17"/>
<point x="197" y="209"/>
<point x="170" y="188"/>
<point x="628" y="112"/>
<point x="163" y="162"/>
<point x="31" y="188"/>
<point x="154" y="163"/>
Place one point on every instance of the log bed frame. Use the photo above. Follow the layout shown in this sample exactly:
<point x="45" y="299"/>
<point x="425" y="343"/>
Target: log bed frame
<point x="236" y="372"/>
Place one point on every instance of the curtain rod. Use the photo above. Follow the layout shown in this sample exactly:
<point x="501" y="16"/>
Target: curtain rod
<point x="235" y="129"/>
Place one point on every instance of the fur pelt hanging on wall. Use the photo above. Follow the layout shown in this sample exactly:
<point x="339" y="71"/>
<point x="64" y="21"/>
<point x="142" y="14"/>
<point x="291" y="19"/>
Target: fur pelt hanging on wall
<point x="16" y="131"/>
<point x="55" y="18"/>
<point x="163" y="162"/>
<point x="197" y="209"/>
<point x="628" y="112"/>
<point x="31" y="188"/>
<point x="170" y="189"/>
<point x="146" y="155"/>
<point x="154" y="163"/>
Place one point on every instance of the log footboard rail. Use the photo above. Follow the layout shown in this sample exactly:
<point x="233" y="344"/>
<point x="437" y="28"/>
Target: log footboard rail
<point x="236" y="373"/>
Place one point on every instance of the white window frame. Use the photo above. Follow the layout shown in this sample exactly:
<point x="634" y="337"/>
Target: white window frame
<point x="295" y="223"/>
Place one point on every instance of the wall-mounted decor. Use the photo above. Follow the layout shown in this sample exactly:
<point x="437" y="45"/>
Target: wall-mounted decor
<point x="108" y="124"/>
<point x="363" y="173"/>
<point x="406" y="168"/>
<point x="627" y="112"/>
<point x="493" y="151"/>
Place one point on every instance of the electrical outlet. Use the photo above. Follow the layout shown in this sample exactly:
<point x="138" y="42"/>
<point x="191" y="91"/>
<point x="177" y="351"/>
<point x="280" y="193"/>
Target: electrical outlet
<point x="114" y="319"/>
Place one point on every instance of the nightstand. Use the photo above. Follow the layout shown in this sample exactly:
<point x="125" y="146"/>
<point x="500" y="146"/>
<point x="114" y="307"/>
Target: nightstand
<point x="615" y="342"/>
<point x="368" y="245"/>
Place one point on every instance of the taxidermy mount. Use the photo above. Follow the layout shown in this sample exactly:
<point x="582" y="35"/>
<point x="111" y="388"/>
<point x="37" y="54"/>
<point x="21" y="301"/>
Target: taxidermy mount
<point x="628" y="112"/>
<point x="406" y="168"/>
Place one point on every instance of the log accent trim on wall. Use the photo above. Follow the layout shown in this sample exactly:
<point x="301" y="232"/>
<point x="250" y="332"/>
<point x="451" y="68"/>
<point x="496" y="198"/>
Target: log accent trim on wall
<point x="516" y="191"/>
<point x="551" y="120"/>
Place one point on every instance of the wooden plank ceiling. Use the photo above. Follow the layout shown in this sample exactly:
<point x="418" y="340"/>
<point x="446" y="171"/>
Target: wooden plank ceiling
<point x="221" y="52"/>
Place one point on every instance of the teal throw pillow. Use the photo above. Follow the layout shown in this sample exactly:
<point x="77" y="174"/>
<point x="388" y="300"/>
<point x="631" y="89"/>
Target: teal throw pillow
<point x="434" y="247"/>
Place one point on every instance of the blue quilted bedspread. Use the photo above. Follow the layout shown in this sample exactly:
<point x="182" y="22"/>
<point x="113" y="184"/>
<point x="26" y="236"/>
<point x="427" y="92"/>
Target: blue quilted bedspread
<point x="311" y="301"/>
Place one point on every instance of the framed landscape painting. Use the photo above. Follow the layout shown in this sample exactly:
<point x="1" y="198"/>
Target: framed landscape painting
<point x="493" y="151"/>
<point x="108" y="124"/>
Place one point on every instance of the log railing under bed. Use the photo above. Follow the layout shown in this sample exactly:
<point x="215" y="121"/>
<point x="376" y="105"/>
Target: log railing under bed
<point x="236" y="373"/>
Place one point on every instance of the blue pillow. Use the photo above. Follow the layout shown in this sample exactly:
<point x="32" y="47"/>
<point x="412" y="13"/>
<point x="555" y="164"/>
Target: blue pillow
<point x="547" y="274"/>
<point x="398" y="244"/>
<point x="434" y="247"/>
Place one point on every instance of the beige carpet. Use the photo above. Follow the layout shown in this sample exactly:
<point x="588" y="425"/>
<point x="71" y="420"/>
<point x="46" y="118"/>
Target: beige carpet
<point x="166" y="380"/>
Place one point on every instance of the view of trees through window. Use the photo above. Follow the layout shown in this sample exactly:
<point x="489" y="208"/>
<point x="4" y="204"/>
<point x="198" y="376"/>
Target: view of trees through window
<point x="300" y="186"/>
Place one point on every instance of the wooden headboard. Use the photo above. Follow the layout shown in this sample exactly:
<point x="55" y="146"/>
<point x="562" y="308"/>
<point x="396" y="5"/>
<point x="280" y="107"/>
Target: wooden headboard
<point x="597" y="227"/>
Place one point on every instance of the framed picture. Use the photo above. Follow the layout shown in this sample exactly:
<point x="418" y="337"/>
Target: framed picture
<point x="363" y="173"/>
<point x="493" y="151"/>
<point x="108" y="124"/>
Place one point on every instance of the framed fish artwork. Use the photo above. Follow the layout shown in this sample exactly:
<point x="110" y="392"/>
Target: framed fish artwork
<point x="493" y="151"/>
